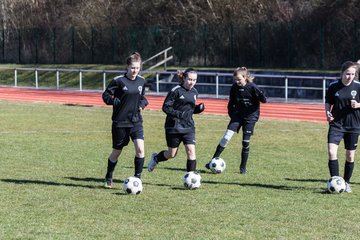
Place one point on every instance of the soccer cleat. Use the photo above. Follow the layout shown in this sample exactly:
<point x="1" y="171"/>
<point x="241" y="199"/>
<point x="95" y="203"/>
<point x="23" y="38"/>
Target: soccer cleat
<point x="153" y="163"/>
<point x="347" y="188"/>
<point x="108" y="183"/>
<point x="207" y="165"/>
<point x="243" y="171"/>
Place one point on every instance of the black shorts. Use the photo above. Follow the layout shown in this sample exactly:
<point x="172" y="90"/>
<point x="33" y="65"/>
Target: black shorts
<point x="247" y="127"/>
<point x="173" y="140"/>
<point x="350" y="139"/>
<point x="121" y="136"/>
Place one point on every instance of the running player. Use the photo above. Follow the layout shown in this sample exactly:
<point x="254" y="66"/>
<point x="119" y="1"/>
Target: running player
<point x="243" y="110"/>
<point x="343" y="114"/>
<point x="179" y="106"/>
<point x="126" y="94"/>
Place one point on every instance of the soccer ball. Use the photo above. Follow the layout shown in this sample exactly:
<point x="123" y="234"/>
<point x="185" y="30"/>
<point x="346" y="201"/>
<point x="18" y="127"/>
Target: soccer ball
<point x="336" y="184"/>
<point x="133" y="185"/>
<point x="217" y="165"/>
<point x="191" y="180"/>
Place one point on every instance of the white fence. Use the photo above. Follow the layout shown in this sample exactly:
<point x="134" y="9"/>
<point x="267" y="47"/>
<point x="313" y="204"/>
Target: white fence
<point x="158" y="81"/>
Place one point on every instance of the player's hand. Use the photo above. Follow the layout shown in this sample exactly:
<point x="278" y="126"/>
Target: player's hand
<point x="116" y="101"/>
<point x="354" y="104"/>
<point x="199" y="108"/>
<point x="329" y="116"/>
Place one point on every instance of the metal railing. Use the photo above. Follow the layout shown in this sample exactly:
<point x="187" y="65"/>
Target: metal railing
<point x="158" y="81"/>
<point x="162" y="62"/>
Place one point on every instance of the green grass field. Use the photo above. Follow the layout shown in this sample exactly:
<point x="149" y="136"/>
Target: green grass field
<point x="53" y="160"/>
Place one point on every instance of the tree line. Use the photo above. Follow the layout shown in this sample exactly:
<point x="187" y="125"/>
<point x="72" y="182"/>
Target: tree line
<point x="258" y="33"/>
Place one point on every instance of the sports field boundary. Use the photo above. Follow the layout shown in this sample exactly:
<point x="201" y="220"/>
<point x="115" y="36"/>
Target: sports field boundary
<point x="274" y="110"/>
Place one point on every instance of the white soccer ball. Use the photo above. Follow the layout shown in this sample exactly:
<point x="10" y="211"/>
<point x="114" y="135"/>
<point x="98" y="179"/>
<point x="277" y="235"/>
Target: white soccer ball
<point x="191" y="180"/>
<point x="133" y="185"/>
<point x="336" y="184"/>
<point x="217" y="165"/>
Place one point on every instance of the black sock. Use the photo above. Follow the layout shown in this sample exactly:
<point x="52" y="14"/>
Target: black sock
<point x="218" y="151"/>
<point x="110" y="168"/>
<point x="244" y="154"/>
<point x="191" y="165"/>
<point x="161" y="157"/>
<point x="139" y="164"/>
<point x="333" y="167"/>
<point x="349" y="167"/>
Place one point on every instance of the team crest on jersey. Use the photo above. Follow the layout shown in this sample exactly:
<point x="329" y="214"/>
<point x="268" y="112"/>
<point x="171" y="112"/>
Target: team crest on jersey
<point x="125" y="88"/>
<point x="353" y="94"/>
<point x="140" y="89"/>
<point x="337" y="94"/>
<point x="182" y="97"/>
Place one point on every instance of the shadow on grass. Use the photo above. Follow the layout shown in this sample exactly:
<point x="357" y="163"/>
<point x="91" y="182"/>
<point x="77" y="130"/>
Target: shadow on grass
<point x="311" y="180"/>
<point x="177" y="187"/>
<point x="121" y="182"/>
<point x="183" y="170"/>
<point x="77" y="105"/>
<point x="260" y="185"/>
<point x="304" y="180"/>
<point x="49" y="183"/>
<point x="173" y="169"/>
<point x="98" y="180"/>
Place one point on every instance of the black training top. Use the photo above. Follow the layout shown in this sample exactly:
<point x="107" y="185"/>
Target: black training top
<point x="244" y="102"/>
<point x="179" y="107"/>
<point x="346" y="118"/>
<point x="131" y="95"/>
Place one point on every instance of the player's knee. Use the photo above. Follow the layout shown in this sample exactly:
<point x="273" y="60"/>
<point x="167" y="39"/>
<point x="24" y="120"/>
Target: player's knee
<point x="246" y="144"/>
<point x="226" y="138"/>
<point x="332" y="154"/>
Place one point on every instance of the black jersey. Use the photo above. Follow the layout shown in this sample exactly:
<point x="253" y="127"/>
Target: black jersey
<point x="346" y="118"/>
<point x="177" y="102"/>
<point x="244" y="102"/>
<point x="131" y="95"/>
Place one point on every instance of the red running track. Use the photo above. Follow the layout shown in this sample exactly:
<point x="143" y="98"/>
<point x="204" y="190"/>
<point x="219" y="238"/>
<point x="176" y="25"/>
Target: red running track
<point x="304" y="112"/>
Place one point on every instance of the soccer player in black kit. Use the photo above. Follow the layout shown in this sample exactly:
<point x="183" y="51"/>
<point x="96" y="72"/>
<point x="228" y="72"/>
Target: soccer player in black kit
<point x="179" y="106"/>
<point x="243" y="110"/>
<point x="126" y="94"/>
<point x="343" y="114"/>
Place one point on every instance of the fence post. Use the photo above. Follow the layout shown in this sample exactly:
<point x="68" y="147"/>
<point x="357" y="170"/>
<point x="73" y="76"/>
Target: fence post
<point x="80" y="80"/>
<point x="286" y="88"/>
<point x="3" y="45"/>
<point x="36" y="32"/>
<point x="322" y="30"/>
<point x="15" y="77"/>
<point x="36" y="79"/>
<point x="165" y="57"/>
<point x="289" y="33"/>
<point x="259" y="57"/>
<point x="53" y="40"/>
<point x="324" y="89"/>
<point x="57" y="79"/>
<point x="217" y="85"/>
<point x="157" y="83"/>
<point x="205" y="38"/>
<point x="72" y="45"/>
<point x="19" y="46"/>
<point x="231" y="39"/>
<point x="104" y="80"/>
<point x="113" y="44"/>
<point x="354" y="41"/>
<point x="92" y="45"/>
